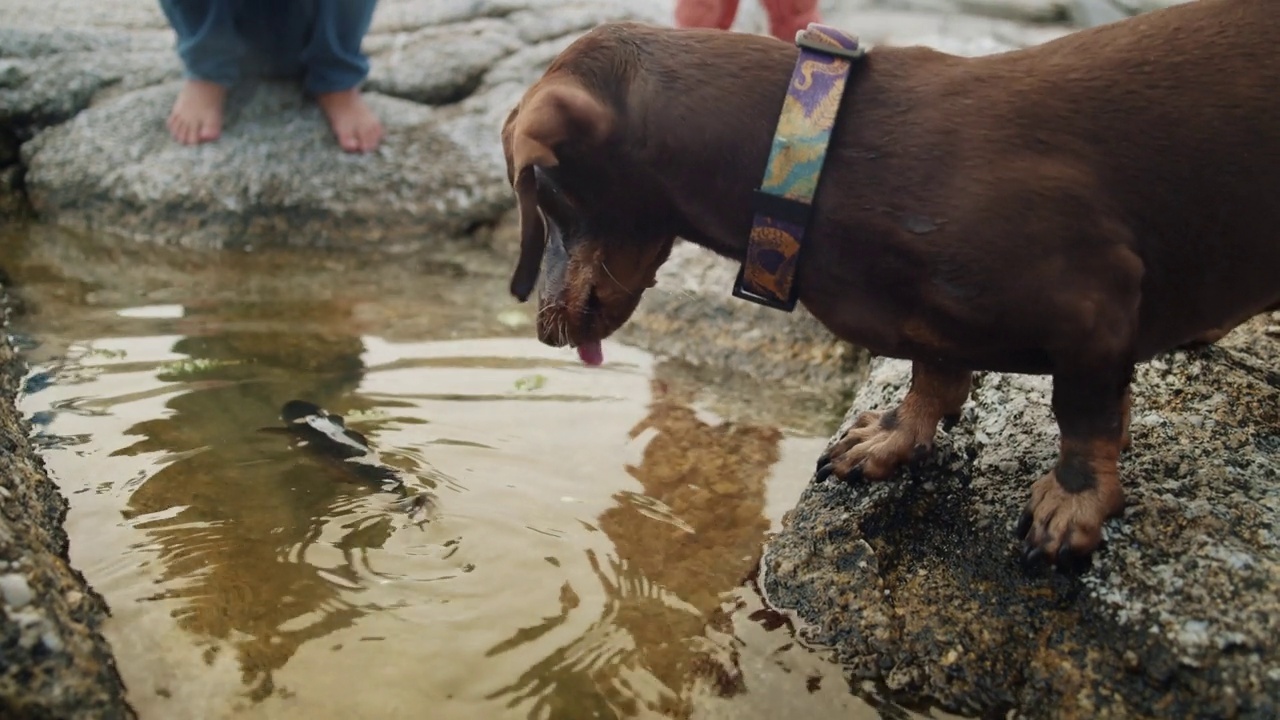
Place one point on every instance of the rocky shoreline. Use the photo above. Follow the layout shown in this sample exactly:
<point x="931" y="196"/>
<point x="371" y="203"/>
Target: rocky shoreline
<point x="53" y="661"/>
<point x="915" y="583"/>
<point x="911" y="584"/>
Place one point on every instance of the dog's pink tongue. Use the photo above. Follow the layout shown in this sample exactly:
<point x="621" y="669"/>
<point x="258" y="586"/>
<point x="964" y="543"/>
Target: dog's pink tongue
<point x="590" y="353"/>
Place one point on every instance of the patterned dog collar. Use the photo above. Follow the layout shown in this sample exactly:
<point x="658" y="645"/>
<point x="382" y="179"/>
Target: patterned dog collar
<point x="784" y="201"/>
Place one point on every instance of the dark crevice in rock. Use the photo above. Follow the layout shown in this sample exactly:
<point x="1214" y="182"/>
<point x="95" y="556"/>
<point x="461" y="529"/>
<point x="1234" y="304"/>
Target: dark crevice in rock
<point x="14" y="203"/>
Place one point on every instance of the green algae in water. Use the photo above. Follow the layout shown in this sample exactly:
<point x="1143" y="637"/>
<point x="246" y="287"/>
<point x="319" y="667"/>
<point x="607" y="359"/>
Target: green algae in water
<point x="193" y="369"/>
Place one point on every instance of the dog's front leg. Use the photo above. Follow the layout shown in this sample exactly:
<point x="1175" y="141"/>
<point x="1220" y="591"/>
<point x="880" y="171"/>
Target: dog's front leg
<point x="879" y="442"/>
<point x="1062" y="521"/>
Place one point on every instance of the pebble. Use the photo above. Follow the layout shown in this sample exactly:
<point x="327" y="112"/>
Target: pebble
<point x="1150" y="420"/>
<point x="1131" y="660"/>
<point x="15" y="590"/>
<point x="50" y="639"/>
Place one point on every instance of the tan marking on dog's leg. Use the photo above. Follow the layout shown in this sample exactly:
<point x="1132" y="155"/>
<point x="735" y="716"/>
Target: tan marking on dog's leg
<point x="1062" y="521"/>
<point x="879" y="442"/>
<point x="1068" y="506"/>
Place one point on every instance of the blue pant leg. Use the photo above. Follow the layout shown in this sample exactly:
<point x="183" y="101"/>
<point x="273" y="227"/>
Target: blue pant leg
<point x="276" y="32"/>
<point x="332" y="58"/>
<point x="208" y="43"/>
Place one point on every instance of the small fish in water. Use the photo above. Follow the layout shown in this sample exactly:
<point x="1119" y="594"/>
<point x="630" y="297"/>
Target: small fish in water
<point x="327" y="434"/>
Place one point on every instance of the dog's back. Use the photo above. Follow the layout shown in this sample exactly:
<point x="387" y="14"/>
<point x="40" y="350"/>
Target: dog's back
<point x="1176" y="116"/>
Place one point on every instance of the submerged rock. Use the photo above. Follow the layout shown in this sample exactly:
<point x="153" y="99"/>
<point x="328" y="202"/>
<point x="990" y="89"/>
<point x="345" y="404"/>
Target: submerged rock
<point x="915" y="582"/>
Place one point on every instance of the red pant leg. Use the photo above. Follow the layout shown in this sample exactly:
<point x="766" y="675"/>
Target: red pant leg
<point x="787" y="17"/>
<point x="706" y="13"/>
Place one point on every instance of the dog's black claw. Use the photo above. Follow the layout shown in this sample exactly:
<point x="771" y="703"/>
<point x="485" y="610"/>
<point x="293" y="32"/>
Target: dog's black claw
<point x="825" y="471"/>
<point x="1032" y="555"/>
<point x="1064" y="547"/>
<point x="823" y="460"/>
<point x="919" y="454"/>
<point x="1070" y="562"/>
<point x="1024" y="525"/>
<point x="855" y="475"/>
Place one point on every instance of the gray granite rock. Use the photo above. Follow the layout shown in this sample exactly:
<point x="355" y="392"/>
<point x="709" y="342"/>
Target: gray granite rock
<point x="442" y="65"/>
<point x="1036" y="11"/>
<point x="915" y="582"/>
<point x="1090" y="13"/>
<point x="1135" y="7"/>
<point x="47" y="76"/>
<point x="276" y="176"/>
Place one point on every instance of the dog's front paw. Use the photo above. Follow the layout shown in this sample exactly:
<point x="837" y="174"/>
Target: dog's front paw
<point x="1065" y="527"/>
<point x="876" y="446"/>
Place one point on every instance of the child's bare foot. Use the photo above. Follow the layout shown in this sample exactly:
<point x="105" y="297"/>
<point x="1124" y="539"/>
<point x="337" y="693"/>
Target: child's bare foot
<point x="197" y="113"/>
<point x="354" y="124"/>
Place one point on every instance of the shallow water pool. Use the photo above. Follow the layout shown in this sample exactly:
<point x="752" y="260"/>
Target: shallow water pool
<point x="590" y="546"/>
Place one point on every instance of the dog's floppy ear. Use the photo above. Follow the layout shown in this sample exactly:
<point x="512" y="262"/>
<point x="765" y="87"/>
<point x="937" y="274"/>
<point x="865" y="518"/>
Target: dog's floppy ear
<point x="553" y="113"/>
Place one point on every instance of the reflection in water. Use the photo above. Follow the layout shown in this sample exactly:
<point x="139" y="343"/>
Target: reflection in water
<point x="592" y="564"/>
<point x="682" y="545"/>
<point x="234" y="555"/>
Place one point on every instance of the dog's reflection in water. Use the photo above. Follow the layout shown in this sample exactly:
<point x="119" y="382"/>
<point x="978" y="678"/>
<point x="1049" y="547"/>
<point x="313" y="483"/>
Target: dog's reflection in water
<point x="682" y="546"/>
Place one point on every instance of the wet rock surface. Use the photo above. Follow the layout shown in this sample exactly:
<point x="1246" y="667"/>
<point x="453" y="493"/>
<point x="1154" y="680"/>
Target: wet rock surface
<point x="53" y="661"/>
<point x="915" y="582"/>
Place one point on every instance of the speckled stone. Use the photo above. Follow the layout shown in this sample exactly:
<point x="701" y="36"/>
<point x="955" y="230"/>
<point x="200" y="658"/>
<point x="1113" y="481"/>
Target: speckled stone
<point x="915" y="582"/>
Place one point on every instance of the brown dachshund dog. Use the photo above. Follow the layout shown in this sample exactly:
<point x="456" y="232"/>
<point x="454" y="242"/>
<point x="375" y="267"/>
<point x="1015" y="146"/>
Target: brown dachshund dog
<point x="1070" y="209"/>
